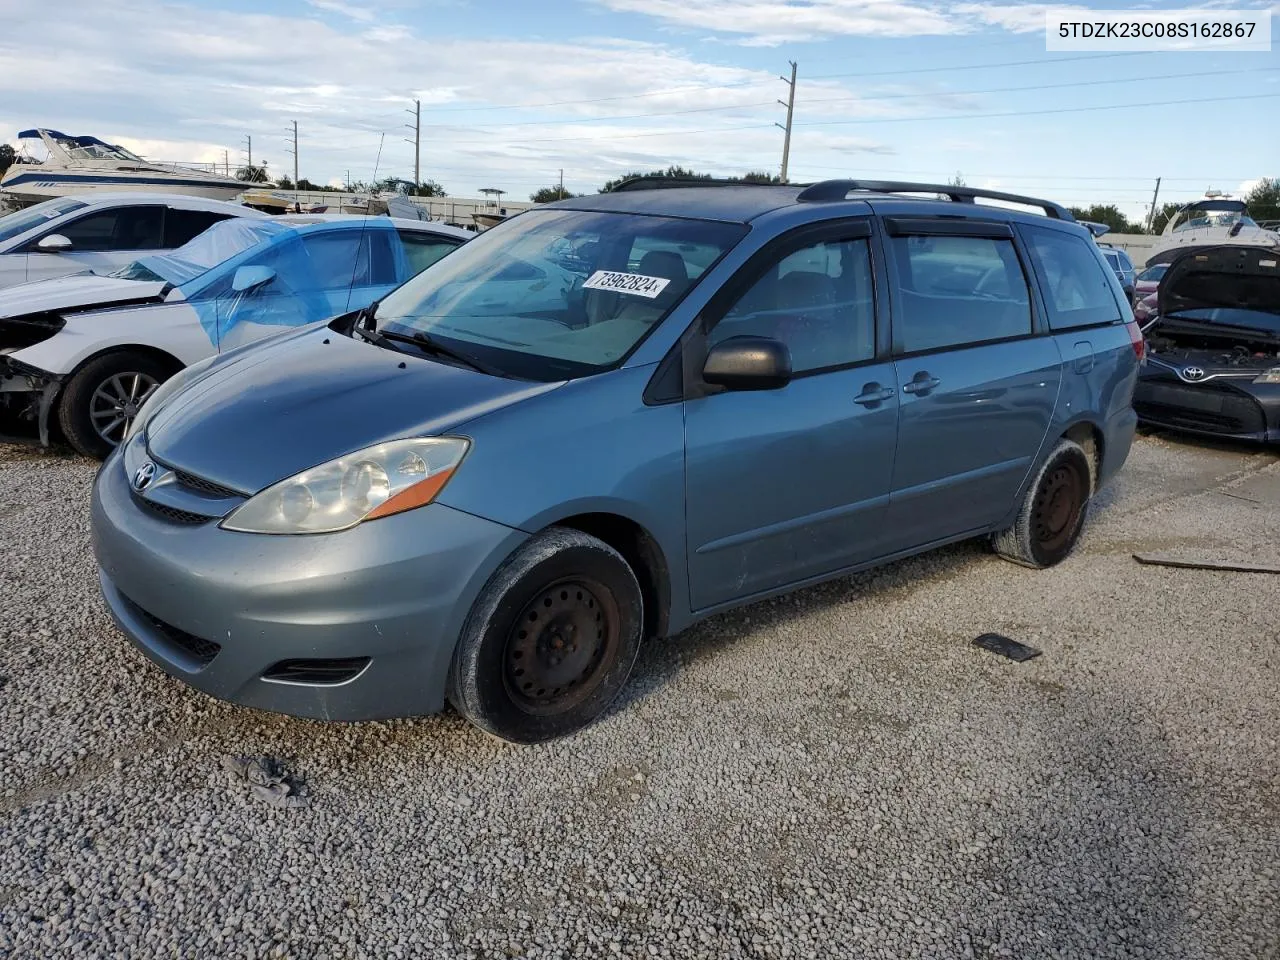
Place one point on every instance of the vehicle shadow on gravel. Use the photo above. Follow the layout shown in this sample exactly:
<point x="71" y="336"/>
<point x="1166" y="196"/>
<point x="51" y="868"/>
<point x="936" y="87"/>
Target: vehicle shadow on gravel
<point x="661" y="660"/>
<point x="1097" y="852"/>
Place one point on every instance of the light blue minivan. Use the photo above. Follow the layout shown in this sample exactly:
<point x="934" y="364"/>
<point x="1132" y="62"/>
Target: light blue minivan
<point x="605" y="419"/>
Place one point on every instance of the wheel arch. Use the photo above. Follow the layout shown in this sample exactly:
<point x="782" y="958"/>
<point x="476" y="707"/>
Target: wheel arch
<point x="1089" y="436"/>
<point x="53" y="399"/>
<point x="643" y="553"/>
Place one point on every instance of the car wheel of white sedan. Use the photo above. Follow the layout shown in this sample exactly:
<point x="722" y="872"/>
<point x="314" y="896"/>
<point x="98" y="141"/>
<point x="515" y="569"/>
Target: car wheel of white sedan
<point x="102" y="399"/>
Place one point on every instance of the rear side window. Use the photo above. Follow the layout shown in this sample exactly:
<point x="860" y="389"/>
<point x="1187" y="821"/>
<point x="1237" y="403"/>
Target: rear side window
<point x="421" y="250"/>
<point x="182" y="226"/>
<point x="125" y="228"/>
<point x="956" y="291"/>
<point x="1076" y="286"/>
<point x="350" y="258"/>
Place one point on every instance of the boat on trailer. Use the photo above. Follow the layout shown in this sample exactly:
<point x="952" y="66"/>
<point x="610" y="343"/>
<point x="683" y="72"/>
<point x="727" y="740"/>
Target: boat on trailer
<point x="78" y="164"/>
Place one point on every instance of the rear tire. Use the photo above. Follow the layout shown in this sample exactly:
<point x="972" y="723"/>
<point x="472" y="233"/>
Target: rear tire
<point x="1052" y="514"/>
<point x="551" y="639"/>
<point x="101" y="400"/>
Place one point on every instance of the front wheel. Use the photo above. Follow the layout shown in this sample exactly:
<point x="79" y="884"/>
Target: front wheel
<point x="100" y="402"/>
<point x="551" y="639"/>
<point x="1052" y="515"/>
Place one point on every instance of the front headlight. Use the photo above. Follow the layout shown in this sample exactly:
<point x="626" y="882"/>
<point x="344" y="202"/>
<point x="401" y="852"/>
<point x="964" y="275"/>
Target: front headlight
<point x="163" y="392"/>
<point x="375" y="482"/>
<point x="1269" y="376"/>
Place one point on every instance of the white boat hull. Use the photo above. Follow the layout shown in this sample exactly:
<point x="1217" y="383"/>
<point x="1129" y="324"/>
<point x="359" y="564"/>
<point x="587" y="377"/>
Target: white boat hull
<point x="27" y="183"/>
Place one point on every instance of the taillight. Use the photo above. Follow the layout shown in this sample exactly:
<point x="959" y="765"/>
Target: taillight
<point x="1137" y="339"/>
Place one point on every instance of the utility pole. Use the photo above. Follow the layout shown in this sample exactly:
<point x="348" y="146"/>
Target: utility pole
<point x="1151" y="217"/>
<point x="294" y="151"/>
<point x="248" y="141"/>
<point x="790" y="104"/>
<point x="417" y="144"/>
<point x="560" y="196"/>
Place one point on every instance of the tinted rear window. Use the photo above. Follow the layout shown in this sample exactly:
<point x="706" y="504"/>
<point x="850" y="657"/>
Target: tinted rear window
<point x="183" y="226"/>
<point x="957" y="291"/>
<point x="1076" y="287"/>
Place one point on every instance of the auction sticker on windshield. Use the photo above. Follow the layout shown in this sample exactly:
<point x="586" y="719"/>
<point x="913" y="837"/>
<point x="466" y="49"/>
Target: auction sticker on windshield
<point x="636" y="284"/>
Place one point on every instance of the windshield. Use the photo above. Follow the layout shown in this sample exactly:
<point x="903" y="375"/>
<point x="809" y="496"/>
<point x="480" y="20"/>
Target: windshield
<point x="218" y="244"/>
<point x="15" y="224"/>
<point x="558" y="294"/>
<point x="1202" y="219"/>
<point x="1154" y="273"/>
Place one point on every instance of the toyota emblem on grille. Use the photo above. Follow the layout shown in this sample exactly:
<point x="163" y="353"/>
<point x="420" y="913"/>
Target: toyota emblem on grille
<point x="144" y="475"/>
<point x="1192" y="373"/>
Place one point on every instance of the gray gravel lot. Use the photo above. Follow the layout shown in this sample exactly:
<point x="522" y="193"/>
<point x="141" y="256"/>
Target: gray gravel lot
<point x="833" y="774"/>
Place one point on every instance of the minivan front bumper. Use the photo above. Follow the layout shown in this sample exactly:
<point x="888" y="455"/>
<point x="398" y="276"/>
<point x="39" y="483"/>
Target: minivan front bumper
<point x="378" y="606"/>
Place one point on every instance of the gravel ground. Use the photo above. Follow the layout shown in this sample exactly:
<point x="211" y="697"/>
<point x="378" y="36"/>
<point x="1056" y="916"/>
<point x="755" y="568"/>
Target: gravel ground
<point x="837" y="773"/>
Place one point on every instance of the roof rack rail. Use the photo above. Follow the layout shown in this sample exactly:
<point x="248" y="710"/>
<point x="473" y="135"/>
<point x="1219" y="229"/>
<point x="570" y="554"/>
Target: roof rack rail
<point x="829" y="190"/>
<point x="660" y="183"/>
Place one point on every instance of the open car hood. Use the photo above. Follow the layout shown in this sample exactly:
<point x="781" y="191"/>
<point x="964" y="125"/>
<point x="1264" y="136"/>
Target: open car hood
<point x="1228" y="292"/>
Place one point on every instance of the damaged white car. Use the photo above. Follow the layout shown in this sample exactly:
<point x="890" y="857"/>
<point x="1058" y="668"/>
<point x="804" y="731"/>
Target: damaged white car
<point x="80" y="354"/>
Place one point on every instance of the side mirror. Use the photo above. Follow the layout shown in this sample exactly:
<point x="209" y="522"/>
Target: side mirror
<point x="748" y="363"/>
<point x="54" y="243"/>
<point x="249" y="278"/>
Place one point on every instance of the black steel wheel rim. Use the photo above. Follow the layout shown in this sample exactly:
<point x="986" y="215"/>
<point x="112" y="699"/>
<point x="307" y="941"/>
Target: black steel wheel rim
<point x="116" y="402"/>
<point x="1057" y="508"/>
<point x="561" y="646"/>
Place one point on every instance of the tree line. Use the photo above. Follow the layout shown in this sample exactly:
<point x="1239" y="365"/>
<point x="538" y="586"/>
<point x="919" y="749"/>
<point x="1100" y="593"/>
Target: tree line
<point x="1263" y="200"/>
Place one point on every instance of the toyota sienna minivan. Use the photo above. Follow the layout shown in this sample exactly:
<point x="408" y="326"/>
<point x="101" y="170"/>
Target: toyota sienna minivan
<point x="603" y="420"/>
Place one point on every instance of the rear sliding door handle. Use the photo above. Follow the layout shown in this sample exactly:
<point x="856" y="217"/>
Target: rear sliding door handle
<point x="873" y="394"/>
<point x="921" y="383"/>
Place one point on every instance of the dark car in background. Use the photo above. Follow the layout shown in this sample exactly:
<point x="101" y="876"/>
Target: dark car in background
<point x="1213" y="358"/>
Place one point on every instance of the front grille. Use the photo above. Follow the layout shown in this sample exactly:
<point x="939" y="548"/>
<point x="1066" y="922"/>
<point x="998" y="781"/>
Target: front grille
<point x="316" y="672"/>
<point x="1213" y="407"/>
<point x="207" y="487"/>
<point x="201" y="650"/>
<point x="172" y="514"/>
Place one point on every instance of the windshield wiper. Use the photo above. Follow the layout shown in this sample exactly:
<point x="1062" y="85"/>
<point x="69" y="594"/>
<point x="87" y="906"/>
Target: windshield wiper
<point x="430" y="344"/>
<point x="374" y="337"/>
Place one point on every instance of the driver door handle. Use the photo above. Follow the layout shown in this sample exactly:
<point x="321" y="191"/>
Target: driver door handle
<point x="873" y="394"/>
<point x="922" y="383"/>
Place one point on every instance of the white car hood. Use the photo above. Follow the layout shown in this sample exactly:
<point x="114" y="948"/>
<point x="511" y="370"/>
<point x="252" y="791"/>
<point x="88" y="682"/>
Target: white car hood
<point x="75" y="292"/>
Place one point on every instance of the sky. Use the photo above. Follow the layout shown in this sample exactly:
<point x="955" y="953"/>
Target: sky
<point x="513" y="92"/>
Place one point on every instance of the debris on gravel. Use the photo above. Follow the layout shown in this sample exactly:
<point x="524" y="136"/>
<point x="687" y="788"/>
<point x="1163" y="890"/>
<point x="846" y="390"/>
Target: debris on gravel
<point x="838" y="772"/>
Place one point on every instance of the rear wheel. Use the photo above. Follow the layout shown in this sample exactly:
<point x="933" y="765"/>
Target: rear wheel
<point x="551" y="640"/>
<point x="102" y="399"/>
<point x="1052" y="515"/>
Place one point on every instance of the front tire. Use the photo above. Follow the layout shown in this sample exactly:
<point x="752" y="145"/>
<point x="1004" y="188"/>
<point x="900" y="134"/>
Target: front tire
<point x="1052" y="514"/>
<point x="102" y="399"/>
<point x="551" y="639"/>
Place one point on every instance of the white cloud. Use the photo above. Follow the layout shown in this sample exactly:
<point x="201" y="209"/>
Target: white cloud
<point x="363" y="14"/>
<point x="180" y="82"/>
<point x="778" y="21"/>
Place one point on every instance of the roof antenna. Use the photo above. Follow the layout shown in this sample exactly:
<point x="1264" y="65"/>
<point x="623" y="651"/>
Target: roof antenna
<point x="355" y="266"/>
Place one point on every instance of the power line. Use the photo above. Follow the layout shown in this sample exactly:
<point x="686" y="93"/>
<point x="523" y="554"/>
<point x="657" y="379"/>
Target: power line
<point x="1043" y="86"/>
<point x="1034" y="113"/>
<point x="634" y="116"/>
<point x="733" y="84"/>
<point x="859" y="99"/>
<point x="1039" y="62"/>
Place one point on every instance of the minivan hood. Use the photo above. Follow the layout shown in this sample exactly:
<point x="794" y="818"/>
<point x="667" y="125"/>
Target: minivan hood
<point x="299" y="400"/>
<point x="1230" y="292"/>
<point x="76" y="292"/>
